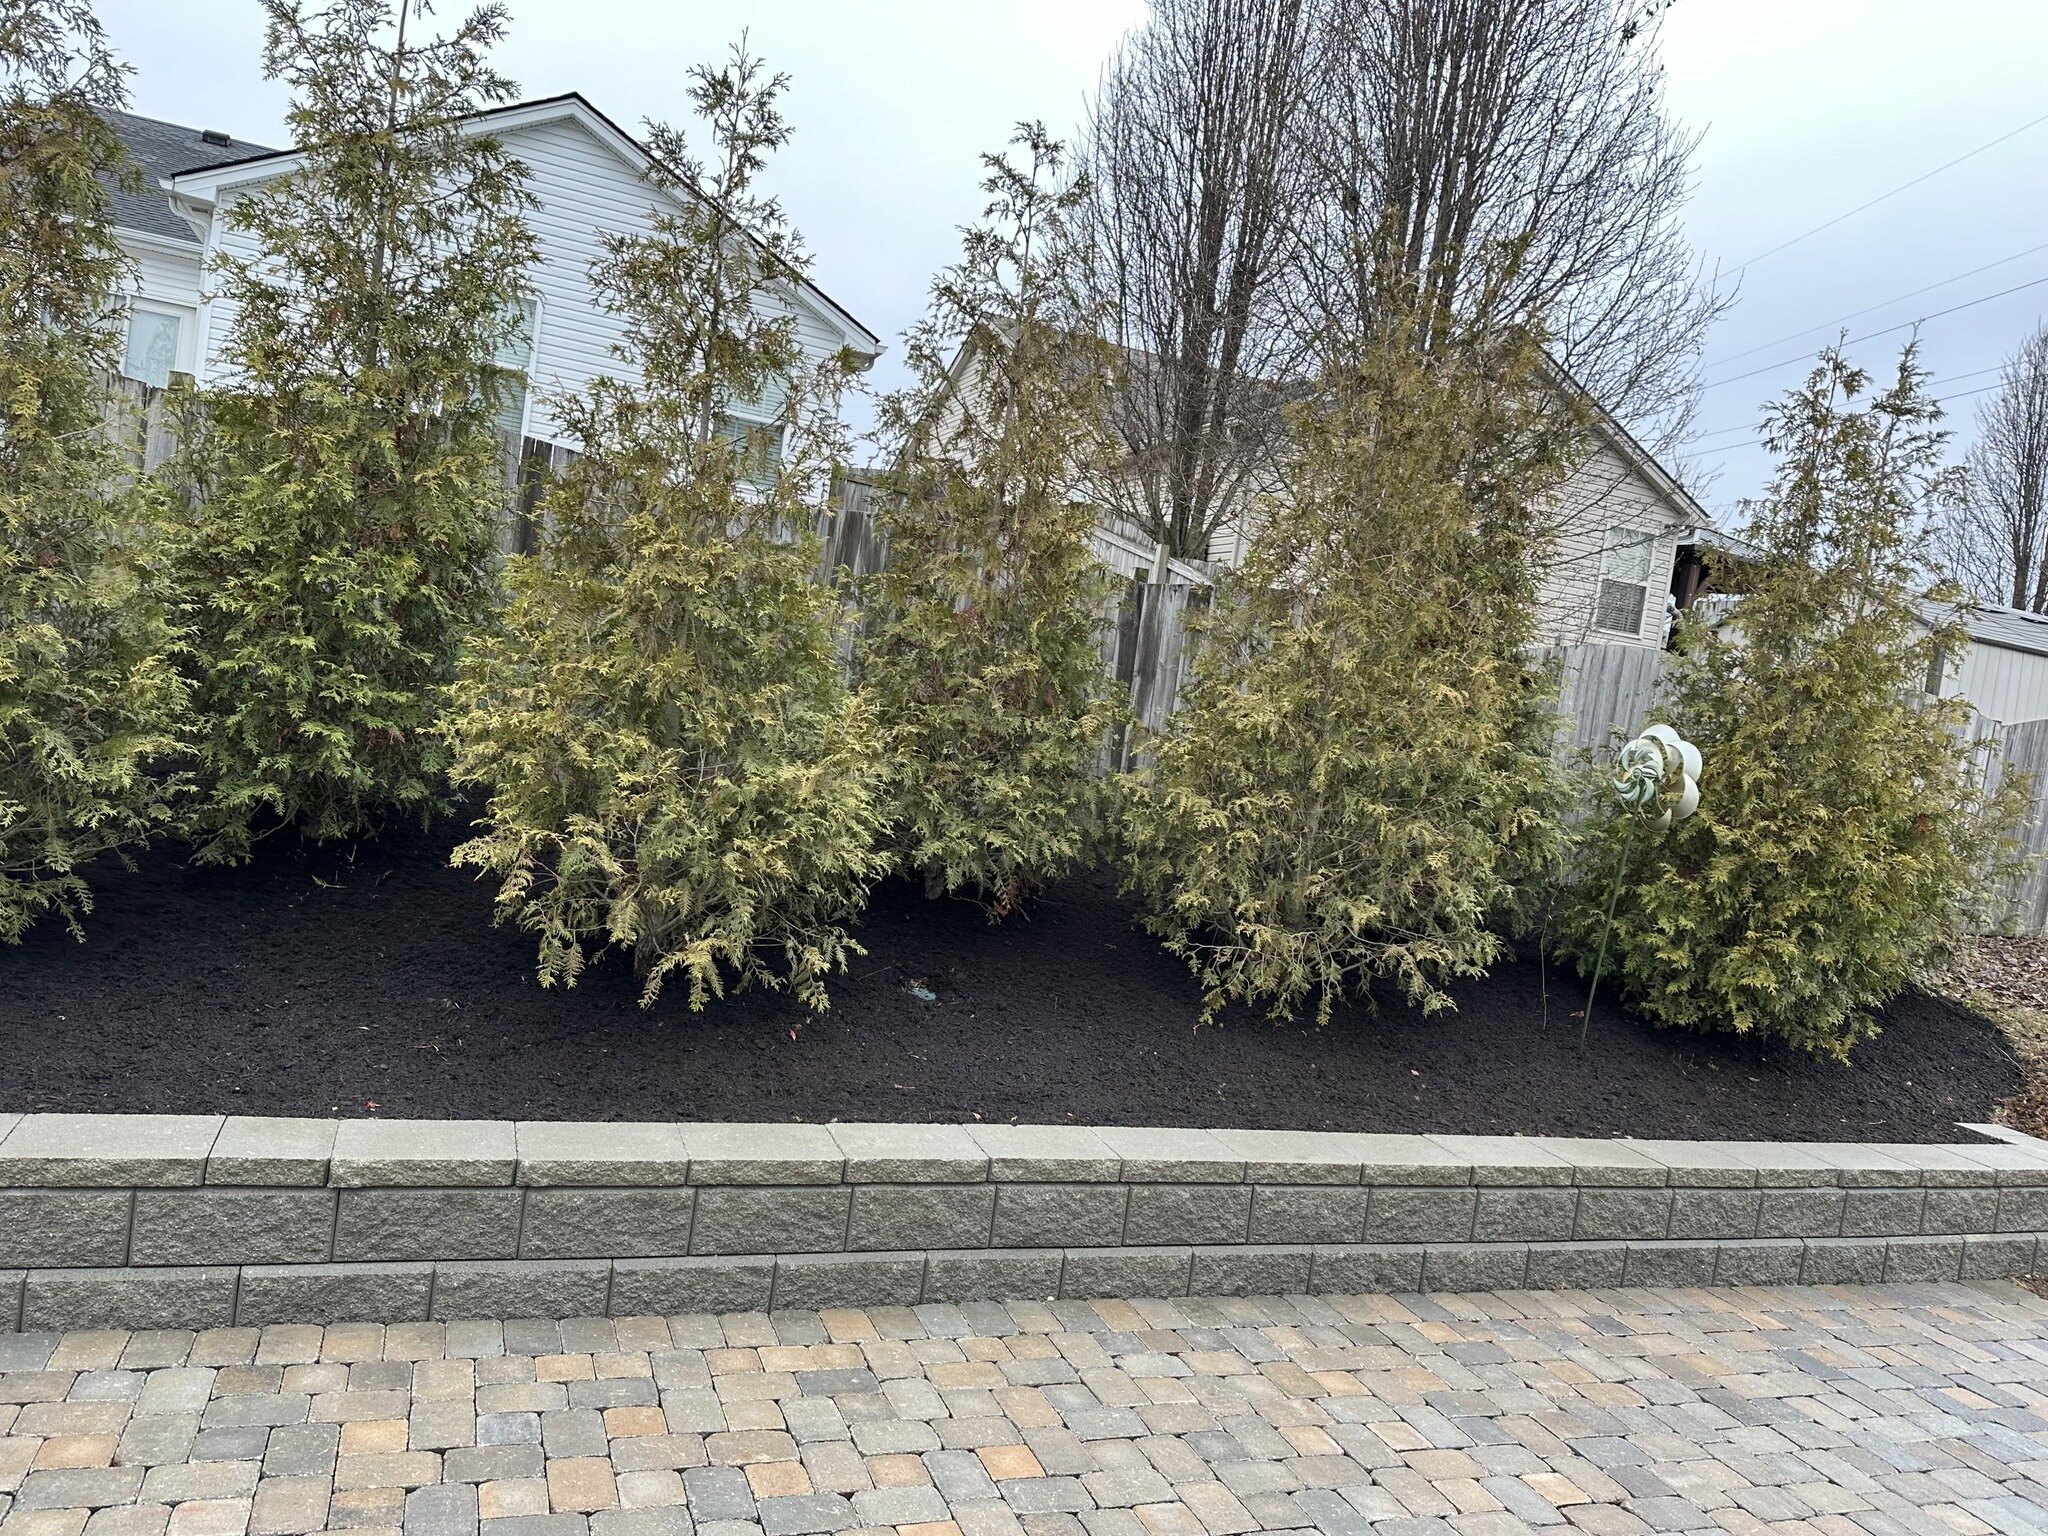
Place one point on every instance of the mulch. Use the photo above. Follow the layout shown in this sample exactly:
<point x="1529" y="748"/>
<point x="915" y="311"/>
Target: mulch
<point x="370" y="981"/>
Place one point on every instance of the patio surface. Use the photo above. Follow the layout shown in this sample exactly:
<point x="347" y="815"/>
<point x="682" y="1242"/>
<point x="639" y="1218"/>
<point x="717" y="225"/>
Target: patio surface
<point x="1885" y="1411"/>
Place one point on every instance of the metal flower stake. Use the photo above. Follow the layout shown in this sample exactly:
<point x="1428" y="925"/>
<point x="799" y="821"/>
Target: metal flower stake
<point x="1657" y="780"/>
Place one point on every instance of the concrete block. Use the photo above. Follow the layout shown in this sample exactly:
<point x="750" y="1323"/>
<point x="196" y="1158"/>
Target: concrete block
<point x="899" y="1217"/>
<point x="1881" y="1212"/>
<point x="555" y="1152"/>
<point x="431" y="1153"/>
<point x="1701" y="1164"/>
<point x="1606" y="1163"/>
<point x="1910" y="1259"/>
<point x="1759" y="1261"/>
<point x="269" y="1149"/>
<point x="763" y="1154"/>
<point x="1800" y="1213"/>
<point x="1060" y="1215"/>
<point x="8" y="1121"/>
<point x="2009" y="1164"/>
<point x="993" y="1274"/>
<point x="642" y="1223"/>
<point x="63" y="1228"/>
<point x="1173" y="1155"/>
<point x="1046" y="1154"/>
<point x="1951" y="1210"/>
<point x="1997" y="1258"/>
<point x="1858" y="1165"/>
<point x="1092" y="1274"/>
<point x="403" y="1225"/>
<point x="1250" y="1269"/>
<point x="1475" y="1267"/>
<point x="333" y="1293"/>
<point x="1366" y="1269"/>
<point x="1678" y="1263"/>
<point x="1525" y="1215"/>
<point x="2023" y="1209"/>
<point x="1298" y="1157"/>
<point x="1163" y="1214"/>
<point x="1420" y="1215"/>
<point x="1519" y="1160"/>
<point x="1575" y="1266"/>
<point x="1843" y="1261"/>
<point x="1623" y="1215"/>
<point x="910" y="1154"/>
<point x="810" y="1281"/>
<point x="232" y="1226"/>
<point x="107" y="1151"/>
<point x="1407" y="1161"/>
<point x="10" y="1294"/>
<point x="522" y="1288"/>
<point x="1939" y="1167"/>
<point x="672" y="1287"/>
<point x="1308" y="1213"/>
<point x="1706" y="1215"/>
<point x="61" y="1300"/>
<point x="801" y="1220"/>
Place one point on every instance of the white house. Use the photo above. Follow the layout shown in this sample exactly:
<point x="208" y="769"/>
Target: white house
<point x="589" y="178"/>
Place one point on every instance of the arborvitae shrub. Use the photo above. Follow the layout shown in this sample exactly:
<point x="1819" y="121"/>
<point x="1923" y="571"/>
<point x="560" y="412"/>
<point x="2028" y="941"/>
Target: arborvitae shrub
<point x="671" y="760"/>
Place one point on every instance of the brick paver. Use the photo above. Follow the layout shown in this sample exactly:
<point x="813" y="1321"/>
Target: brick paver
<point x="1883" y="1411"/>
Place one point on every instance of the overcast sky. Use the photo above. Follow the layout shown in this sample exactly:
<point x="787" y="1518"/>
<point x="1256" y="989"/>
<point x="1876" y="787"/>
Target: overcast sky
<point x="1809" y="108"/>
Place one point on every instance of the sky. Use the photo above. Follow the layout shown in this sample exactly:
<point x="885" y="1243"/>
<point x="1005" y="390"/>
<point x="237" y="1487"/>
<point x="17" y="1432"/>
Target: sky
<point x="1806" y="109"/>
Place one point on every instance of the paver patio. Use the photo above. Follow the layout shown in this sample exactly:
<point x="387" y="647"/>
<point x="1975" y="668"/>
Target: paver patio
<point x="1884" y="1411"/>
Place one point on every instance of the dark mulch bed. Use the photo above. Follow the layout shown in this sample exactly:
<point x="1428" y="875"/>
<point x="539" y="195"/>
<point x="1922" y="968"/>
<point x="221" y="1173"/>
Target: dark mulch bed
<point x="372" y="982"/>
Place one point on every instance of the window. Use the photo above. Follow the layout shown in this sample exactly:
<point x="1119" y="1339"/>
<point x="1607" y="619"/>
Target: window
<point x="757" y="427"/>
<point x="1624" y="581"/>
<point x="514" y="361"/>
<point x="155" y="348"/>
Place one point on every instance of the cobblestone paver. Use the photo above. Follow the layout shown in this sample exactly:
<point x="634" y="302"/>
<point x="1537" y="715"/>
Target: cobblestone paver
<point x="1887" y="1411"/>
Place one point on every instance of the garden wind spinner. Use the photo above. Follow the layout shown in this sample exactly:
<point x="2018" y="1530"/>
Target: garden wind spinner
<point x="1657" y="780"/>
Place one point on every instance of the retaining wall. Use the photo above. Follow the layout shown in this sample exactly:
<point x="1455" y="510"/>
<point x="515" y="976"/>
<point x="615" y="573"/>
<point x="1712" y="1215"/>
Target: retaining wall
<point x="142" y="1221"/>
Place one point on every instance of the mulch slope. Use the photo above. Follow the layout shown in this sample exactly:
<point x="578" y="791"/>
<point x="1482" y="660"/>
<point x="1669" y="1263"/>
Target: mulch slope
<point x="372" y="982"/>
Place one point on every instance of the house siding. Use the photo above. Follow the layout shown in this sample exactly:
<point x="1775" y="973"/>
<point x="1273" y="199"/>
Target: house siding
<point x="2009" y="686"/>
<point x="1604" y="492"/>
<point x="583" y="190"/>
<point x="170" y="277"/>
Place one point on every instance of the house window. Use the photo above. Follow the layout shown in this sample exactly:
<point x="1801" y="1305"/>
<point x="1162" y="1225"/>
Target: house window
<point x="155" y="345"/>
<point x="757" y="428"/>
<point x="514" y="362"/>
<point x="1624" y="581"/>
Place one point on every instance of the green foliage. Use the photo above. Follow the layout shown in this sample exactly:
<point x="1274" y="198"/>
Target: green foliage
<point x="673" y="762"/>
<point x="87" y="698"/>
<point x="1842" y="837"/>
<point x="350" y="474"/>
<point x="1360" y="777"/>
<point x="983" y="663"/>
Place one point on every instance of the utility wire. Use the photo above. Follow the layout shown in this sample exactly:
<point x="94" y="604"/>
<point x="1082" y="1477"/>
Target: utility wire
<point x="1882" y="331"/>
<point x="1963" y="394"/>
<point x="1857" y="314"/>
<point x="1895" y="191"/>
<point x="1953" y="378"/>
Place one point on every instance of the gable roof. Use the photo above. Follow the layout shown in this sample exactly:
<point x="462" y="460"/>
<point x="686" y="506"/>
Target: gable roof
<point x="205" y="183"/>
<point x="160" y="150"/>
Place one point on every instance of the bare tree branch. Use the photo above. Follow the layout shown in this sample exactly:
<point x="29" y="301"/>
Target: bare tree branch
<point x="1994" y="538"/>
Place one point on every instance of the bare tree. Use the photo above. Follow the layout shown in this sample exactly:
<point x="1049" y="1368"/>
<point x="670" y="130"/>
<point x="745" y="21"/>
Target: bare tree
<point x="1459" y="138"/>
<point x="1195" y="155"/>
<point x="1994" y="539"/>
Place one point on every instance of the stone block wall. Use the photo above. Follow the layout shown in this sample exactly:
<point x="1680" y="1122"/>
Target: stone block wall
<point x="142" y="1221"/>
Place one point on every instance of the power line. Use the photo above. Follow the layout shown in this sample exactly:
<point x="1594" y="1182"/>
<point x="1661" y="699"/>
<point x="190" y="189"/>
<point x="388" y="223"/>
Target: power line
<point x="1962" y="394"/>
<point x="1895" y="191"/>
<point x="1953" y="378"/>
<point x="1855" y="314"/>
<point x="1903" y="325"/>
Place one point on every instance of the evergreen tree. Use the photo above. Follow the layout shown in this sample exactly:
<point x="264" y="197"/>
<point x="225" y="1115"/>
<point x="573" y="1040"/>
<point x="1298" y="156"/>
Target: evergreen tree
<point x="351" y="474"/>
<point x="673" y="762"/>
<point x="87" y="698"/>
<point x="1360" y="780"/>
<point x="1842" y="835"/>
<point x="984" y="666"/>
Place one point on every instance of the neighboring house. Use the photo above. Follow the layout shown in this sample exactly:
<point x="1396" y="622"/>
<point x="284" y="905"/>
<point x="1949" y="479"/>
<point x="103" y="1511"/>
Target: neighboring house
<point x="588" y="175"/>
<point x="1620" y="519"/>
